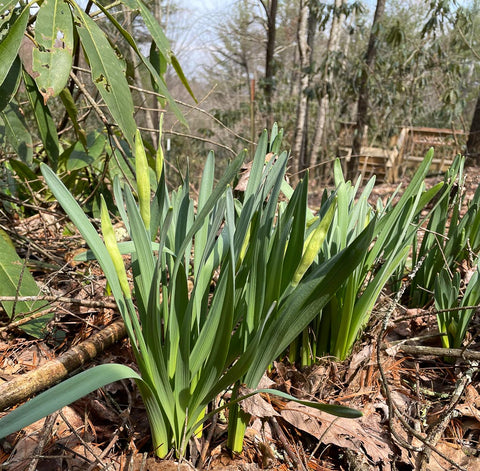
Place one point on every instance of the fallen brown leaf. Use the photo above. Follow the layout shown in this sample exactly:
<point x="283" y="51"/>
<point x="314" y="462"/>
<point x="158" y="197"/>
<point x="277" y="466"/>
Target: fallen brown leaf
<point x="355" y="434"/>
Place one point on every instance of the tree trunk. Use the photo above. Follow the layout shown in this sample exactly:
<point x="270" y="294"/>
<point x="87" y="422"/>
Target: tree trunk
<point x="271" y="12"/>
<point x="305" y="34"/>
<point x="473" y="142"/>
<point x="362" y="107"/>
<point x="323" y="105"/>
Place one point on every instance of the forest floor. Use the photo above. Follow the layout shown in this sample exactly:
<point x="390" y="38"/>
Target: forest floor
<point x="420" y="412"/>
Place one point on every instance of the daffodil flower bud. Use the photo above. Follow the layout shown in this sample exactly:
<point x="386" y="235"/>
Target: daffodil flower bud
<point x="143" y="179"/>
<point x="112" y="247"/>
<point x="160" y="156"/>
<point x="313" y="245"/>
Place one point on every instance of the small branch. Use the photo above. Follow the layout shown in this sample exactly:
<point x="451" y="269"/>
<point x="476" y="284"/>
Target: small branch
<point x="461" y="353"/>
<point x="195" y="108"/>
<point x="22" y="387"/>
<point x="73" y="430"/>
<point x="285" y="443"/>
<point x="61" y="299"/>
<point x="44" y="436"/>
<point x="392" y="406"/>
<point x="436" y="430"/>
<point x="434" y="312"/>
<point x="198" y="138"/>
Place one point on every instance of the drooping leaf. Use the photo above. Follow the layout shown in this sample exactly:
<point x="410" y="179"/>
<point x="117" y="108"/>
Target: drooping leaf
<point x="155" y="70"/>
<point x="11" y="38"/>
<point x="16" y="132"/>
<point x="178" y="69"/>
<point x="10" y="85"/>
<point x="63" y="394"/>
<point x="52" y="58"/>
<point x="153" y="27"/>
<point x="16" y="280"/>
<point x="26" y="175"/>
<point x="108" y="74"/>
<point x="45" y="123"/>
<point x="75" y="157"/>
<point x="71" y="109"/>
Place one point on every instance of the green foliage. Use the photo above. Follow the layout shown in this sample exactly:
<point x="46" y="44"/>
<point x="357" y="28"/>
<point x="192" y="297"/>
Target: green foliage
<point x="52" y="58"/>
<point x="17" y="281"/>
<point x="341" y="321"/>
<point x="214" y="300"/>
<point x="454" y="318"/>
<point x="49" y="99"/>
<point x="448" y="238"/>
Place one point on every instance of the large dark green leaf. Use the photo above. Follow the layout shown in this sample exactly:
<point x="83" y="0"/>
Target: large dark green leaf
<point x="52" y="58"/>
<point x="10" y="84"/>
<point x="16" y="132"/>
<point x="76" y="157"/>
<point x="11" y="38"/>
<point x="45" y="123"/>
<point x="108" y="74"/>
<point x="16" y="280"/>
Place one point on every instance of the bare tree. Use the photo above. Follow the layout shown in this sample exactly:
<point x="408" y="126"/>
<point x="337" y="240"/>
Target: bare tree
<point x="473" y="143"/>
<point x="327" y="78"/>
<point x="305" y="35"/>
<point x="270" y="8"/>
<point x="363" y="95"/>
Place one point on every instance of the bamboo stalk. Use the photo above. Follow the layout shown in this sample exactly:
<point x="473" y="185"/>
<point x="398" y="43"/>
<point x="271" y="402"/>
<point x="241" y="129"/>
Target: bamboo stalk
<point x="23" y="387"/>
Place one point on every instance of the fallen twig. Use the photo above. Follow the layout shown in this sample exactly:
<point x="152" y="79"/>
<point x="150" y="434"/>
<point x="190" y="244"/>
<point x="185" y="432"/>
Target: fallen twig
<point x="44" y="435"/>
<point x="62" y="299"/>
<point x="436" y="430"/>
<point x="59" y="299"/>
<point x="286" y="445"/>
<point x="392" y="406"/>
<point x="463" y="354"/>
<point x="23" y="387"/>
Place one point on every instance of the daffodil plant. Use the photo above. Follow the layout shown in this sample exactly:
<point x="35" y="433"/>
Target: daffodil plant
<point x="217" y="289"/>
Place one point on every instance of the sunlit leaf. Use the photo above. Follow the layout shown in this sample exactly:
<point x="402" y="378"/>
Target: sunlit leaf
<point x="156" y="72"/>
<point x="10" y="39"/>
<point x="108" y="74"/>
<point x="52" y="58"/>
<point x="63" y="394"/>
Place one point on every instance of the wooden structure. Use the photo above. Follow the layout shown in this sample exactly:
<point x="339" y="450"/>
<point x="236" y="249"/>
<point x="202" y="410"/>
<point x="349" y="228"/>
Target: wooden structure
<point x="405" y="152"/>
<point x="414" y="142"/>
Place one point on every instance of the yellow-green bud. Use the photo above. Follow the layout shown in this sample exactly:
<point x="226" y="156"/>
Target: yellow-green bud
<point x="112" y="247"/>
<point x="143" y="179"/>
<point x="160" y="156"/>
<point x="313" y="245"/>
